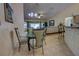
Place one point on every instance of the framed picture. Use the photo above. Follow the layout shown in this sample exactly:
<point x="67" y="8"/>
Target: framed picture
<point x="8" y="13"/>
<point x="51" y="22"/>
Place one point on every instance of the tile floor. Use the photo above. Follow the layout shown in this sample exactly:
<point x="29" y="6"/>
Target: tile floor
<point x="53" y="47"/>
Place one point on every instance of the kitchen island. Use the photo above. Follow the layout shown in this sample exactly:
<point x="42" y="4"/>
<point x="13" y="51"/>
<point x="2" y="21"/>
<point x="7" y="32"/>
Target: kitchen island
<point x="72" y="39"/>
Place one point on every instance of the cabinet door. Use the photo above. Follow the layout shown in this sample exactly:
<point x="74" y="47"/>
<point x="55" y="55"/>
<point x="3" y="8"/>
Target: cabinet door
<point x="76" y="19"/>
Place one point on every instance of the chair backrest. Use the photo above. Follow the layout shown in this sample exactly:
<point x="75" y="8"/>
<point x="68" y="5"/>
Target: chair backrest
<point x="30" y="32"/>
<point x="45" y="31"/>
<point x="61" y="27"/>
<point x="39" y="37"/>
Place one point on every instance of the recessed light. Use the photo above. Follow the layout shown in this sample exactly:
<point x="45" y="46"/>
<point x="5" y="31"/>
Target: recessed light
<point x="31" y="14"/>
<point x="35" y="14"/>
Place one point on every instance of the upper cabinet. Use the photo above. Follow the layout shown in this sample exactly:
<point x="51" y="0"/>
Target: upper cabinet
<point x="76" y="19"/>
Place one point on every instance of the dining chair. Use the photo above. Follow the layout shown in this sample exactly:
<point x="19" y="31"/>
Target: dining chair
<point x="45" y="29"/>
<point x="21" y="39"/>
<point x="61" y="30"/>
<point x="29" y="32"/>
<point x="39" y="37"/>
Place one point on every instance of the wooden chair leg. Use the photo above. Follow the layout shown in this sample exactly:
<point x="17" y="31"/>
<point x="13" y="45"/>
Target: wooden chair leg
<point x="33" y="48"/>
<point x="42" y="50"/>
<point x="33" y="52"/>
<point x="45" y="42"/>
<point x="59" y="36"/>
<point x="63" y="36"/>
<point x="19" y="47"/>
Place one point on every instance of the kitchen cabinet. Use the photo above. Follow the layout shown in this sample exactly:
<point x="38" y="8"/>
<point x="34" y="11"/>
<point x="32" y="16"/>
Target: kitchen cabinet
<point x="76" y="19"/>
<point x="72" y="39"/>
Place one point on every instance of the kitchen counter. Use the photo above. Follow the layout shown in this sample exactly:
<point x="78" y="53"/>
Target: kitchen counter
<point x="72" y="27"/>
<point x="72" y="39"/>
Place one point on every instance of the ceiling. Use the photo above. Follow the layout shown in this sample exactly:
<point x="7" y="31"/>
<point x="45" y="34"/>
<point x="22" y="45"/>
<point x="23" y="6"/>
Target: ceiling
<point x="48" y="10"/>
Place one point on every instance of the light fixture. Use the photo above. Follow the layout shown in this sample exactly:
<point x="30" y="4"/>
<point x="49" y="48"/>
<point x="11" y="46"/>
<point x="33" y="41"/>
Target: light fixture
<point x="31" y="14"/>
<point x="36" y="15"/>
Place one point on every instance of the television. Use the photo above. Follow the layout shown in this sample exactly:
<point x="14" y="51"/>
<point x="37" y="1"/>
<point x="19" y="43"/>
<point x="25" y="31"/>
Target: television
<point x="34" y="25"/>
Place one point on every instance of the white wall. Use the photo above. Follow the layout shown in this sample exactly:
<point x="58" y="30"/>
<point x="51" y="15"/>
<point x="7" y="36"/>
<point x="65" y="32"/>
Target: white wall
<point x="18" y="16"/>
<point x="5" y="39"/>
<point x="6" y="46"/>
